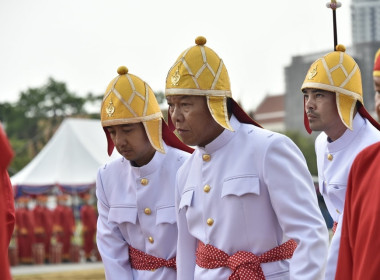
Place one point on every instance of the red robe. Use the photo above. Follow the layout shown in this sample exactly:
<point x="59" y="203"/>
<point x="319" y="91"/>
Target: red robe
<point x="64" y="224"/>
<point x="88" y="217"/>
<point x="43" y="227"/>
<point x="25" y="234"/>
<point x="360" y="242"/>
<point x="7" y="209"/>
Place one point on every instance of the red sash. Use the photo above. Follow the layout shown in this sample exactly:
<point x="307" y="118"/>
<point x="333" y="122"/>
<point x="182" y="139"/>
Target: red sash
<point x="142" y="261"/>
<point x="335" y="225"/>
<point x="244" y="265"/>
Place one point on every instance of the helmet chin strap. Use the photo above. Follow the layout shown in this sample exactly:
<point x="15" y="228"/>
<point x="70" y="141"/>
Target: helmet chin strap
<point x="364" y="113"/>
<point x="110" y="144"/>
<point x="305" y="120"/>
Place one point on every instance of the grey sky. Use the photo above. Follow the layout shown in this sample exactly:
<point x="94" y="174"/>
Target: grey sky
<point x="82" y="42"/>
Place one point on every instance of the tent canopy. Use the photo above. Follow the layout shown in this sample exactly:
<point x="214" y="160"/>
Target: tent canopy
<point x="69" y="160"/>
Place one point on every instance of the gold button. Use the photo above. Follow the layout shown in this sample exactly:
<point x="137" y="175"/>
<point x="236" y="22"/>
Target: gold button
<point x="337" y="211"/>
<point x="210" y="221"/>
<point x="330" y="157"/>
<point x="150" y="238"/>
<point x="206" y="157"/>
<point x="147" y="211"/>
<point x="144" y="181"/>
<point x="206" y="188"/>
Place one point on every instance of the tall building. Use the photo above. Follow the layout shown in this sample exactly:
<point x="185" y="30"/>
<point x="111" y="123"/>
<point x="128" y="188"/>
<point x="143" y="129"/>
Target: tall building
<point x="365" y="18"/>
<point x="366" y="41"/>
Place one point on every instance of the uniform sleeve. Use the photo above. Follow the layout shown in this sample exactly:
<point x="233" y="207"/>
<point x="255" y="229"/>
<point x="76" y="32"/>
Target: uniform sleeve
<point x="111" y="244"/>
<point x="9" y="205"/>
<point x="186" y="242"/>
<point x="360" y="243"/>
<point x="7" y="210"/>
<point x="333" y="253"/>
<point x="294" y="200"/>
<point x="345" y="262"/>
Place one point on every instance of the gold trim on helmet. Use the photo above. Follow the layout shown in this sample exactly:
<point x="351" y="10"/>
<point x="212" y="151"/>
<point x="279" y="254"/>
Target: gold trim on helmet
<point x="337" y="72"/>
<point x="128" y="99"/>
<point x="199" y="71"/>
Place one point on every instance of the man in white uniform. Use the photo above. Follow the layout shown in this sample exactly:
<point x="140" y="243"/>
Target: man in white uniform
<point x="245" y="200"/>
<point x="333" y="96"/>
<point x="136" y="228"/>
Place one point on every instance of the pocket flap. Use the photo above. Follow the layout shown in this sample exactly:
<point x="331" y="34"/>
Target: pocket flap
<point x="187" y="198"/>
<point x="123" y="215"/>
<point x="166" y="215"/>
<point x="241" y="185"/>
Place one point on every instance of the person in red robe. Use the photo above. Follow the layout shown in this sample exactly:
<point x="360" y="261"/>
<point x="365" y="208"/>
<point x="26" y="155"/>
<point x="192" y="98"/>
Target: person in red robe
<point x="25" y="231"/>
<point x="43" y="224"/>
<point x="360" y="242"/>
<point x="64" y="225"/>
<point x="88" y="217"/>
<point x="7" y="208"/>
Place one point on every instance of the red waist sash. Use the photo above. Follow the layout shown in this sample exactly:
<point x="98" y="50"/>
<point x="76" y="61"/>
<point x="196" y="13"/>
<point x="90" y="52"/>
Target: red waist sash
<point x="142" y="261"/>
<point x="245" y="265"/>
<point x="335" y="225"/>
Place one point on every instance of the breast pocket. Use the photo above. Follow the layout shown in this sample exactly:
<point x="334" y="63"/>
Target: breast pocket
<point x="241" y="185"/>
<point x="120" y="215"/>
<point x="186" y="198"/>
<point x="337" y="193"/>
<point x="166" y="215"/>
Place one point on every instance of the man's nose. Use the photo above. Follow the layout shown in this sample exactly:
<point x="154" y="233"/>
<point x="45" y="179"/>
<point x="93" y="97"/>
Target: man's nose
<point x="176" y="115"/>
<point x="309" y="103"/>
<point x="119" y="139"/>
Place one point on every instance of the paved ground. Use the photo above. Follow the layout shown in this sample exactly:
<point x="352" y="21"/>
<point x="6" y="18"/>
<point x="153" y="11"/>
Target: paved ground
<point x="77" y="271"/>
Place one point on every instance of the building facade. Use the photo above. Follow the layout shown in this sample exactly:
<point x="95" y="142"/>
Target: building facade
<point x="365" y="18"/>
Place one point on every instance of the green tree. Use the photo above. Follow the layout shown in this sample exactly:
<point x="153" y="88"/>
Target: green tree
<point x="160" y="96"/>
<point x="306" y="145"/>
<point x="32" y="120"/>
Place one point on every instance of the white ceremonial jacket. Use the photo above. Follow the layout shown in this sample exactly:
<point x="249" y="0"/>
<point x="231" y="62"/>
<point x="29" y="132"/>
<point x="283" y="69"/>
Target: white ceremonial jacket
<point x="136" y="207"/>
<point x="255" y="186"/>
<point x="334" y="162"/>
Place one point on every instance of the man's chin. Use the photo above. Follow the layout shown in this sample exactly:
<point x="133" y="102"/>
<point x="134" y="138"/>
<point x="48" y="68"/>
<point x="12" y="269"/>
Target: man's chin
<point x="314" y="128"/>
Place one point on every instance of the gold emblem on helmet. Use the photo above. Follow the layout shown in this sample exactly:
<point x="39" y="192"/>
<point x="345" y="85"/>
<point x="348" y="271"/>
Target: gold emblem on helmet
<point x="313" y="72"/>
<point x="175" y="78"/>
<point x="110" y="109"/>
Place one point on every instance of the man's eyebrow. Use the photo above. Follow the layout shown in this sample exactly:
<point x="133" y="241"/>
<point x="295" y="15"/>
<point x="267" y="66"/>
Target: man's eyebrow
<point x="127" y="125"/>
<point x="181" y="98"/>
<point x="312" y="90"/>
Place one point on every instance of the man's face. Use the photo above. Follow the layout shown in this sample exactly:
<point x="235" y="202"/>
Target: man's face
<point x="132" y="142"/>
<point x="322" y="111"/>
<point x="376" y="83"/>
<point x="192" y="119"/>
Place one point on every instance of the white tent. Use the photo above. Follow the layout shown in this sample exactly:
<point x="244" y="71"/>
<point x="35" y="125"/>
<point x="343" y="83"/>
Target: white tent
<point x="70" y="159"/>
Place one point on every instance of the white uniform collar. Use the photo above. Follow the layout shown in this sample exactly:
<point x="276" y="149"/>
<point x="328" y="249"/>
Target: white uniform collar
<point x="151" y="166"/>
<point x="223" y="138"/>
<point x="348" y="135"/>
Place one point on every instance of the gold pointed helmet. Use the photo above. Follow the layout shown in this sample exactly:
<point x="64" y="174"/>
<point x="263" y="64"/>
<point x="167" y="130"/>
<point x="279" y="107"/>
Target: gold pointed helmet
<point x="200" y="71"/>
<point x="128" y="99"/>
<point x="337" y="72"/>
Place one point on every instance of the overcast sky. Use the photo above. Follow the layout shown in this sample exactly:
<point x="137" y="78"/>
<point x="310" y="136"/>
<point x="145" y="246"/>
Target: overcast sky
<point x="82" y="42"/>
